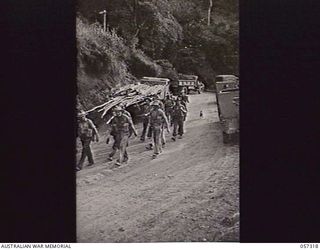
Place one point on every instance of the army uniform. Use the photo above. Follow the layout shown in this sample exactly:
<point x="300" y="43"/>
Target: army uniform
<point x="86" y="131"/>
<point x="168" y="107"/>
<point x="179" y="116"/>
<point x="145" y="121"/>
<point x="157" y="119"/>
<point x="120" y="130"/>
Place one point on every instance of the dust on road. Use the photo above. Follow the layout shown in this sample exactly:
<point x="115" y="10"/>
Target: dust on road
<point x="190" y="193"/>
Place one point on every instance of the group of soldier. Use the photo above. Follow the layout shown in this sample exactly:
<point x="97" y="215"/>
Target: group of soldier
<point x="158" y="116"/>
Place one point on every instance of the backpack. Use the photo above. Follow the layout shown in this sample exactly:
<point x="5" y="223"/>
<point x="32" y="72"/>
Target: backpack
<point x="85" y="129"/>
<point x="120" y="124"/>
<point x="177" y="112"/>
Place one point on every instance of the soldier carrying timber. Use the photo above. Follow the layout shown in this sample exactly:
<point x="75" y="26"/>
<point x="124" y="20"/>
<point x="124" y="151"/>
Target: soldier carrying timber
<point x="121" y="128"/>
<point x="158" y="109"/>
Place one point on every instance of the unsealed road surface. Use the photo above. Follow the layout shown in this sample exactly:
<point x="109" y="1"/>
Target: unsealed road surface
<point x="189" y="193"/>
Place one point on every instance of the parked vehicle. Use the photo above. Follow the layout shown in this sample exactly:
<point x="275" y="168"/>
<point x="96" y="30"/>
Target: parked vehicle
<point x="225" y="82"/>
<point x="227" y="95"/>
<point x="187" y="83"/>
<point x="228" y="78"/>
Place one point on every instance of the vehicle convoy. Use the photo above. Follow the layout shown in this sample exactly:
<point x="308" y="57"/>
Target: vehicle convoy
<point x="227" y="95"/>
<point x="187" y="83"/>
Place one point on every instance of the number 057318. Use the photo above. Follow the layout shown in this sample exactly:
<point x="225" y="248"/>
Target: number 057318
<point x="308" y="245"/>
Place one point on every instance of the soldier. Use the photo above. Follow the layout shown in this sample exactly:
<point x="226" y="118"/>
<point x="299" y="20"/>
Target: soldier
<point x="184" y="99"/>
<point x="121" y="125"/>
<point x="157" y="118"/>
<point x="111" y="131"/>
<point x="127" y="113"/>
<point x="87" y="132"/>
<point x="168" y="106"/>
<point x="179" y="116"/>
<point x="150" y="133"/>
<point x="145" y="118"/>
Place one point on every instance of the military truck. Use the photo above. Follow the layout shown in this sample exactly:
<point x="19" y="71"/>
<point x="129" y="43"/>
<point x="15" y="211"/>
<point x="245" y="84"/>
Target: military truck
<point x="223" y="82"/>
<point x="226" y="78"/>
<point x="227" y="95"/>
<point x="187" y="83"/>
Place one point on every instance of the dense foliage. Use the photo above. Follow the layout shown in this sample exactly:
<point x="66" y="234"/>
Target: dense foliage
<point x="153" y="38"/>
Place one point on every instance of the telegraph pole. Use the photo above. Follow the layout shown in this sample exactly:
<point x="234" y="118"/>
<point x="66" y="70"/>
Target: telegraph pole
<point x="104" y="13"/>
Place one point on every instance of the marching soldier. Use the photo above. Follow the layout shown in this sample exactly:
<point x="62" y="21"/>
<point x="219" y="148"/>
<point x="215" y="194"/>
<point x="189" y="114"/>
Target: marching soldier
<point x="168" y="106"/>
<point x="87" y="133"/>
<point x="127" y="113"/>
<point x="145" y="119"/>
<point x="121" y="125"/>
<point x="155" y="98"/>
<point x="184" y="99"/>
<point x="112" y="132"/>
<point x="179" y="116"/>
<point x="156" y="118"/>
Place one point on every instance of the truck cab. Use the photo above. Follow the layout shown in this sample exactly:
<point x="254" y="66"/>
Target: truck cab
<point x="188" y="83"/>
<point x="227" y="95"/>
<point x="228" y="78"/>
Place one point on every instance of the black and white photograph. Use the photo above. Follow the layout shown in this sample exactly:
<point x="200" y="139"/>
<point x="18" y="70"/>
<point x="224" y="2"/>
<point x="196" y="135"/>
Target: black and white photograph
<point x="158" y="121"/>
<point x="121" y="123"/>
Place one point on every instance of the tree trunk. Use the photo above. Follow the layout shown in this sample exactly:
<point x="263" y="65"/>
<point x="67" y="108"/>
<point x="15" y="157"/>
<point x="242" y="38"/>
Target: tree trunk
<point x="135" y="10"/>
<point x="209" y="11"/>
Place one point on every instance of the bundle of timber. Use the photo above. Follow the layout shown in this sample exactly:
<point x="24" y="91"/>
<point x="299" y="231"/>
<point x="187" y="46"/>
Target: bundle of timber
<point x="127" y="96"/>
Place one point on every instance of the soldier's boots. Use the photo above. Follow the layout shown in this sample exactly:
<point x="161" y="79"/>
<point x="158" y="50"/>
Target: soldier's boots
<point x="125" y="161"/>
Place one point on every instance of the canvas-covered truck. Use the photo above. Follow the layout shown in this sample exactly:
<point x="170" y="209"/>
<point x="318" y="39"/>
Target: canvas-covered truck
<point x="187" y="83"/>
<point x="227" y="95"/>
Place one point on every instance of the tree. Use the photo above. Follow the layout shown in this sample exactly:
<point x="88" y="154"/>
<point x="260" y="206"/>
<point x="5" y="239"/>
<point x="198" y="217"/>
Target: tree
<point x="209" y="11"/>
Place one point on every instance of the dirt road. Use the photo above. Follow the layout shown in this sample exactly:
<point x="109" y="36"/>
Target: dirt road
<point x="189" y="193"/>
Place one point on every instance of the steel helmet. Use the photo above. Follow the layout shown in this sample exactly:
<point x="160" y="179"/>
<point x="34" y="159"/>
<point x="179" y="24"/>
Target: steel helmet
<point x="82" y="113"/>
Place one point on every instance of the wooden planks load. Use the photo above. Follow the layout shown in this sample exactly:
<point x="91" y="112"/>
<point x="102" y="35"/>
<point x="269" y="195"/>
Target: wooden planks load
<point x="128" y="95"/>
